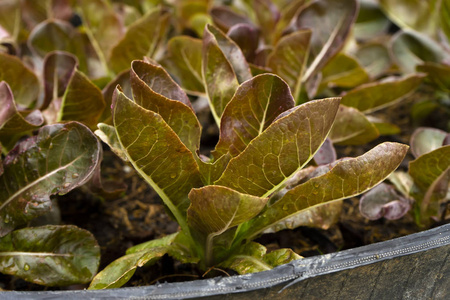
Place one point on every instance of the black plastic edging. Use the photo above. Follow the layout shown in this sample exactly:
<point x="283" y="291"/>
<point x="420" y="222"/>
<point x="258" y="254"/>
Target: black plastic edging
<point x="288" y="274"/>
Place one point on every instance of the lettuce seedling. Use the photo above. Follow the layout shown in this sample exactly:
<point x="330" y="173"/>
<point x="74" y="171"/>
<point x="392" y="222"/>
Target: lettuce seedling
<point x="223" y="203"/>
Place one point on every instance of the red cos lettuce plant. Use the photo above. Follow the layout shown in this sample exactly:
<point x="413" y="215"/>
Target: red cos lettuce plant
<point x="223" y="203"/>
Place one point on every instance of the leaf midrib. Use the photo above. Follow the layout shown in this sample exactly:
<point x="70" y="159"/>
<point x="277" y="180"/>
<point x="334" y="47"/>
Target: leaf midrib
<point x="48" y="175"/>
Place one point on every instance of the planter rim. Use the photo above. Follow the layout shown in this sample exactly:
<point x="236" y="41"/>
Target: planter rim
<point x="287" y="274"/>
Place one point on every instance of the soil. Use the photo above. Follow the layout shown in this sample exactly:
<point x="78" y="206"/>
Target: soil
<point x="120" y="219"/>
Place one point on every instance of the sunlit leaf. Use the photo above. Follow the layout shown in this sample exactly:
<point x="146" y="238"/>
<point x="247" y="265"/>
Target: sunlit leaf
<point x="330" y="22"/>
<point x="60" y="158"/>
<point x="416" y="14"/>
<point x="348" y="178"/>
<point x="374" y="96"/>
<point x="108" y="135"/>
<point x="141" y="39"/>
<point x="120" y="271"/>
<point x="383" y="201"/>
<point x="288" y="59"/>
<point x="82" y="101"/>
<point x="220" y="80"/>
<point x="254" y="106"/>
<point x="282" y="149"/>
<point x="425" y="140"/>
<point x="351" y="127"/>
<point x="156" y="153"/>
<point x="50" y="255"/>
<point x="22" y="81"/>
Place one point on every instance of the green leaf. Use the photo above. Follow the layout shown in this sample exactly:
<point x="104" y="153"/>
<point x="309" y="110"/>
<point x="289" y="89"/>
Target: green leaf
<point x="215" y="209"/>
<point x="343" y="71"/>
<point x="323" y="217"/>
<point x="351" y="127"/>
<point x="416" y="14"/>
<point x="82" y="101"/>
<point x="425" y="140"/>
<point x="280" y="257"/>
<point x="22" y="81"/>
<point x="121" y="270"/>
<point x="428" y="167"/>
<point x="254" y="106"/>
<point x="58" y="70"/>
<point x="385" y="128"/>
<point x="445" y="17"/>
<point x="288" y="12"/>
<point x="283" y="148"/>
<point x="288" y="59"/>
<point x="52" y="35"/>
<point x="60" y="158"/>
<point x="141" y="39"/>
<point x="371" y="21"/>
<point x="108" y="135"/>
<point x="211" y="170"/>
<point x="374" y="96"/>
<point x="249" y="259"/>
<point x="375" y="59"/>
<point x="225" y="17"/>
<point x="346" y="179"/>
<point x="268" y="15"/>
<point x="219" y="77"/>
<point x="231" y="51"/>
<point x="437" y="74"/>
<point x="157" y="154"/>
<point x="330" y="22"/>
<point x="161" y="242"/>
<point x="184" y="62"/>
<point x="12" y="123"/>
<point x="50" y="255"/>
<point x="431" y="175"/>
<point x="154" y="90"/>
<point x="10" y="18"/>
<point x="253" y="258"/>
<point x="410" y="48"/>
<point x="103" y="27"/>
